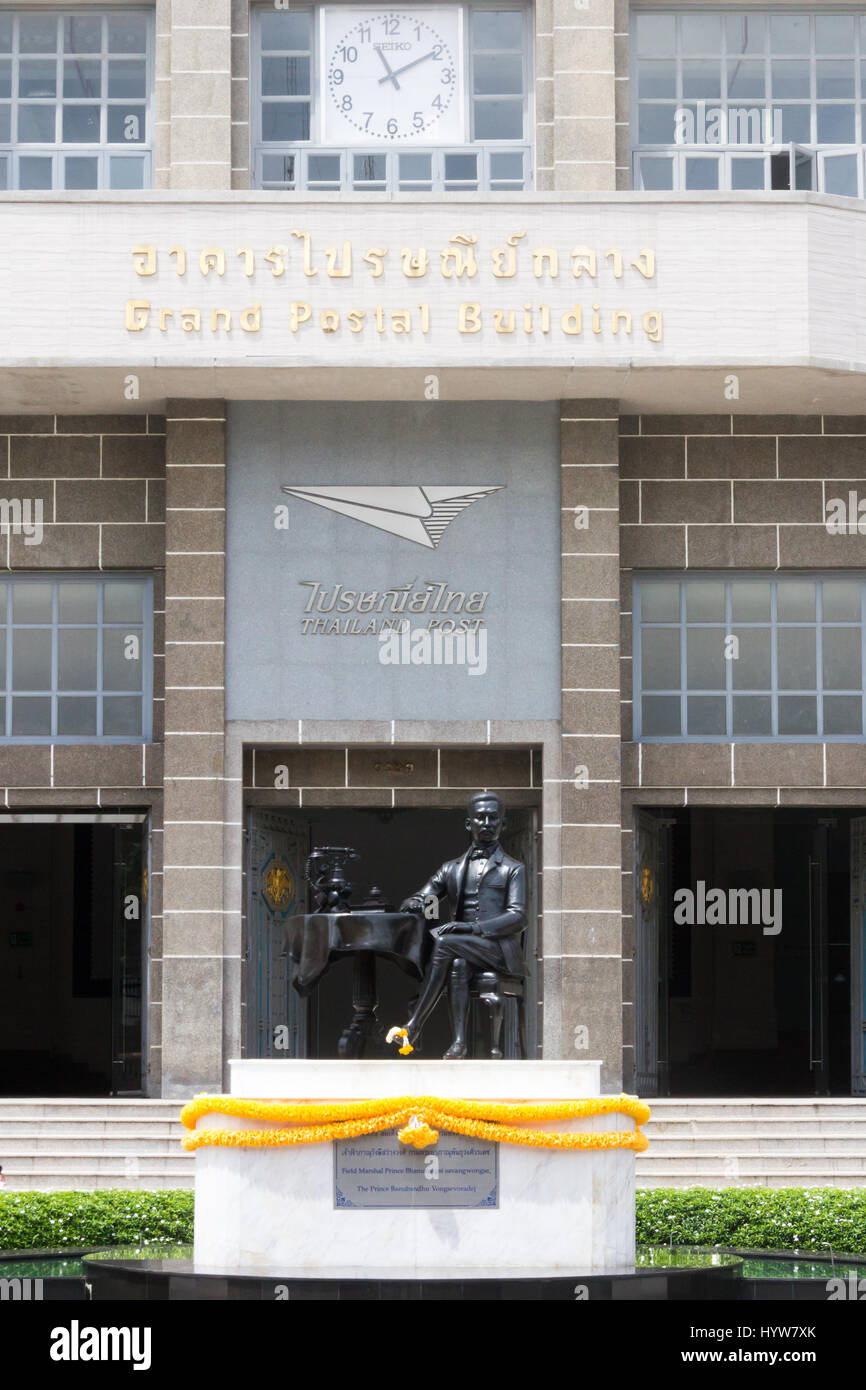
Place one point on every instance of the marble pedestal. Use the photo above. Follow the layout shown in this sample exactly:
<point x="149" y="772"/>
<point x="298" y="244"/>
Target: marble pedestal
<point x="275" y="1209"/>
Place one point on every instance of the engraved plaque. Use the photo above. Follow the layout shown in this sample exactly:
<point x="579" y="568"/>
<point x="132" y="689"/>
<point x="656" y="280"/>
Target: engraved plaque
<point x="376" y="1170"/>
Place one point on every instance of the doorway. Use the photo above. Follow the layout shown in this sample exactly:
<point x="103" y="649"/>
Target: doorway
<point x="748" y="951"/>
<point x="73" y="912"/>
<point x="399" y="849"/>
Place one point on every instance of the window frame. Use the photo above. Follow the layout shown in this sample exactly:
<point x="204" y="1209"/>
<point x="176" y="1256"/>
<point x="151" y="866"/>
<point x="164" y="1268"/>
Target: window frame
<point x="301" y="149"/>
<point x="12" y="152"/>
<point x="812" y="150"/>
<point x="57" y="579"/>
<point x="728" y="626"/>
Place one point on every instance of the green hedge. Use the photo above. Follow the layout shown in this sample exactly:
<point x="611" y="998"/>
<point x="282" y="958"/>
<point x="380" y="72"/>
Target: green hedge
<point x="792" y="1218"/>
<point x="748" y="1218"/>
<point x="52" y="1220"/>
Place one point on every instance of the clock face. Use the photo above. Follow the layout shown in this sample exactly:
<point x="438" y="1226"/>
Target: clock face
<point x="392" y="76"/>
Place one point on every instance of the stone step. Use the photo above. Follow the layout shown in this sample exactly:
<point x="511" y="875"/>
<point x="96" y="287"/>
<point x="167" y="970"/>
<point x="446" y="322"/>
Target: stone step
<point x="52" y="1182"/>
<point x="725" y="1147"/>
<point x="97" y="1144"/>
<point x="781" y="1130"/>
<point x="63" y="1130"/>
<point x="180" y="1162"/>
<point x="708" y="1164"/>
<point x="773" y="1181"/>
<point x="837" y="1107"/>
<point x="104" y="1110"/>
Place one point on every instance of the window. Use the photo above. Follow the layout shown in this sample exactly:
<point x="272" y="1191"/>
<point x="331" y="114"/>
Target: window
<point x="749" y="100"/>
<point x="76" y="658"/>
<point x="75" y="99"/>
<point x="749" y="658"/>
<point x="380" y="99"/>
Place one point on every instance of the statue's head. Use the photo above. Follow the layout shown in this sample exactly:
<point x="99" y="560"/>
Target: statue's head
<point x="485" y="818"/>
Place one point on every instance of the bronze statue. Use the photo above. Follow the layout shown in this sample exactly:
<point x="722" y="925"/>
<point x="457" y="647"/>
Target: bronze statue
<point x="486" y="891"/>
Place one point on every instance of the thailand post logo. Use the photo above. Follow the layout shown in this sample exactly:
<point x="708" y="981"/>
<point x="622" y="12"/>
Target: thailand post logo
<point x="415" y="513"/>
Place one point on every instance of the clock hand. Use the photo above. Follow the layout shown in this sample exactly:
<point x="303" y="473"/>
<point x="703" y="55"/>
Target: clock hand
<point x="390" y="75"/>
<point x="406" y="66"/>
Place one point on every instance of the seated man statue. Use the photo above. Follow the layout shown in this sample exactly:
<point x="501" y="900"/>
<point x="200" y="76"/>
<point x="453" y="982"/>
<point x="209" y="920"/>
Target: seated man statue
<point x="486" y="891"/>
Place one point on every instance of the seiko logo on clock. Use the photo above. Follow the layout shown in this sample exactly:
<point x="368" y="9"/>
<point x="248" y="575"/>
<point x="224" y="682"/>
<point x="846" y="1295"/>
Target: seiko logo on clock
<point x="393" y="75"/>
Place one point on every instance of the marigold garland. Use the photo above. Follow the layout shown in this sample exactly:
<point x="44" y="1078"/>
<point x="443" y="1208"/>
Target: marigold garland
<point x="417" y="1119"/>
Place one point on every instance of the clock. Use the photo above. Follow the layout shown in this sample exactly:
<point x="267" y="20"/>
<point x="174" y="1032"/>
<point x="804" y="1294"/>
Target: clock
<point x="392" y="76"/>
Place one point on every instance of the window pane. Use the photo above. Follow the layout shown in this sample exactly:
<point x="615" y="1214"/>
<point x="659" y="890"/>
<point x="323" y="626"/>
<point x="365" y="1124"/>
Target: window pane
<point x="285" y="77"/>
<point x="705" y="658"/>
<point x="790" y="79"/>
<point x="127" y="33"/>
<point x="419" y="166"/>
<point x="77" y="603"/>
<point x="702" y="173"/>
<point x="5" y="77"/>
<point x="37" y="77"/>
<point x="840" y="599"/>
<point x="503" y="165"/>
<point x="752" y="716"/>
<point x="836" y="126"/>
<point x="656" y="125"/>
<point x="126" y="125"/>
<point x="843" y="714"/>
<point x="121" y="714"/>
<point x="31" y="658"/>
<point x="81" y="125"/>
<point x="834" y="33"/>
<point x="797" y="658"/>
<point x="283" y="120"/>
<point x="498" y="120"/>
<point x="286" y="31"/>
<point x="705" y="601"/>
<point x="706" y="715"/>
<point x="323" y="167"/>
<point x="5" y="33"/>
<point x="657" y="174"/>
<point x="37" y="33"/>
<point x="660" y="658"/>
<point x="82" y="78"/>
<point x="745" y="33"/>
<point x="2" y="664"/>
<point x="81" y="172"/>
<point x="702" y="80"/>
<point x="461" y="166"/>
<point x="660" y="602"/>
<point x="701" y="33"/>
<point x="278" y="168"/>
<point x="497" y="29"/>
<point x="82" y="34"/>
<point x="121" y="659"/>
<point x="656" y="33"/>
<point x="750" y="602"/>
<point x="796" y="601"/>
<point x="76" y="659"/>
<point x="747" y="173"/>
<point x="842" y="658"/>
<point x="752" y="669"/>
<point x="126" y="173"/>
<point x="657" y="79"/>
<point x="746" y="80"/>
<point x="31" y="603"/>
<point x="126" y="78"/>
<point x="798" y="714"/>
<point x="36" y="125"/>
<point x="789" y="33"/>
<point x="76" y="716"/>
<point x="5" y="126"/>
<point x="122" y="603"/>
<point x="370" y="168"/>
<point x="34" y="173"/>
<point x="496" y="73"/>
<point x="796" y="124"/>
<point x="661" y="716"/>
<point x="834" y="77"/>
<point x="31" y="716"/>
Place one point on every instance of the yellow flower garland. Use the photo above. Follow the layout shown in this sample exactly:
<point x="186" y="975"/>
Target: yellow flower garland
<point x="316" y="1122"/>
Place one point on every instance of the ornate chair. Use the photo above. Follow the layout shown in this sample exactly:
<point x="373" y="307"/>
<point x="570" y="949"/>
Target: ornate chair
<point x="493" y="990"/>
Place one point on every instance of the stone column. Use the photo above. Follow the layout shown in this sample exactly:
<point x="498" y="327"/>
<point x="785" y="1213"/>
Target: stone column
<point x="590" y="892"/>
<point x="200" y="84"/>
<point x="584" y="107"/>
<point x="193" y="907"/>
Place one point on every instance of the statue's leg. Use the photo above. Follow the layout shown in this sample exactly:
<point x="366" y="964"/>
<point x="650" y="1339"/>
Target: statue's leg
<point x="437" y="978"/>
<point x="458" y="1003"/>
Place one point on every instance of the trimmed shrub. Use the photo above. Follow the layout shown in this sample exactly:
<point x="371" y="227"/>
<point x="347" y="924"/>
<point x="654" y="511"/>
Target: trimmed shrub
<point x="792" y="1218"/>
<point x="52" y="1220"/>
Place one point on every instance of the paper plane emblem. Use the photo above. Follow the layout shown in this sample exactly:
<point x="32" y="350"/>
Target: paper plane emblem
<point x="419" y="514"/>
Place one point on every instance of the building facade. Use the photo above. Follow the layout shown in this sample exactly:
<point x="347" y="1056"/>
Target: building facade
<point x="396" y="403"/>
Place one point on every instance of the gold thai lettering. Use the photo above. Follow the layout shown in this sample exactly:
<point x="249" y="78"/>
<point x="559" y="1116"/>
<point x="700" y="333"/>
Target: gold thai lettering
<point x="458" y="259"/>
<point x="276" y="259"/>
<point x="212" y="258"/>
<point x="249" y="256"/>
<point x="551" y="256"/>
<point x="344" y="270"/>
<point x="505" y="257"/>
<point x="616" y="257"/>
<point x="190" y="320"/>
<point x="225" y="315"/>
<point x="144" y="260"/>
<point x="646" y="263"/>
<point x="137" y="311"/>
<point x="583" y="260"/>
<point x="179" y="258"/>
<point x="308" y="252"/>
<point x="414" y="266"/>
<point x="375" y="259"/>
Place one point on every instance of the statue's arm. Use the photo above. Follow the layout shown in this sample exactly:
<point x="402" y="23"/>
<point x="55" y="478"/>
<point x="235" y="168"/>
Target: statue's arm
<point x="436" y="886"/>
<point x="513" y="918"/>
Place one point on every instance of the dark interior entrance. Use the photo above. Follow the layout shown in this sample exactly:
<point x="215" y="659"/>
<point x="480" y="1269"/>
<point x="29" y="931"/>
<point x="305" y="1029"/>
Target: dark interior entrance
<point x="399" y="849"/>
<point x="73" y="899"/>
<point x="746" y="1005"/>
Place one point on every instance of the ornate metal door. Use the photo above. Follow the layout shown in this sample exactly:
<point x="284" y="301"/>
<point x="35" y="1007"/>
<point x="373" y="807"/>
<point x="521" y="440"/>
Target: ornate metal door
<point x="277" y="1019"/>
<point x="858" y="956"/>
<point x="651" y="953"/>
